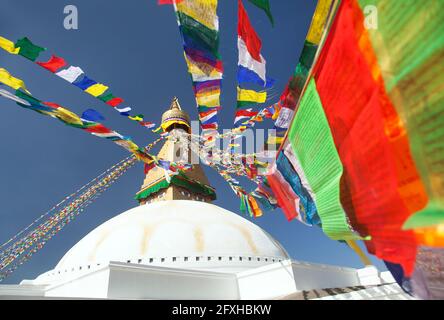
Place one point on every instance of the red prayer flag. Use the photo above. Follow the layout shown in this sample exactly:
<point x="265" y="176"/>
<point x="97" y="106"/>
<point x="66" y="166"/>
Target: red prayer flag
<point x="209" y="126"/>
<point x="98" y="128"/>
<point x="114" y="102"/>
<point x="54" y="64"/>
<point x="246" y="32"/>
<point x="246" y="113"/>
<point x="52" y="105"/>
<point x="162" y="2"/>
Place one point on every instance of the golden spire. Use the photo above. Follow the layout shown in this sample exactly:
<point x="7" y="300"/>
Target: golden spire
<point x="175" y="116"/>
<point x="192" y="186"/>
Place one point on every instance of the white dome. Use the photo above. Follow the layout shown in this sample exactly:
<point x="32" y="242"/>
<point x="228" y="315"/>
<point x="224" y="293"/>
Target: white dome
<point x="177" y="233"/>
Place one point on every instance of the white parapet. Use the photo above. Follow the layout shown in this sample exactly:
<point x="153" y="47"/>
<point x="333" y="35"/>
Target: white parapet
<point x="266" y="282"/>
<point x="309" y="276"/>
<point x="369" y="276"/>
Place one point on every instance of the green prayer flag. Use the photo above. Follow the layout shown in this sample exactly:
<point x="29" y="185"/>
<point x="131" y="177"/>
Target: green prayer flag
<point x="312" y="142"/>
<point x="242" y="207"/>
<point x="28" y="49"/>
<point x="27" y="97"/>
<point x="264" y="5"/>
<point x="105" y="97"/>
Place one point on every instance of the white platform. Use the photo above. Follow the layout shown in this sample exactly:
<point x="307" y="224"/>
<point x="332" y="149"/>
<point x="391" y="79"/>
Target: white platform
<point x="117" y="280"/>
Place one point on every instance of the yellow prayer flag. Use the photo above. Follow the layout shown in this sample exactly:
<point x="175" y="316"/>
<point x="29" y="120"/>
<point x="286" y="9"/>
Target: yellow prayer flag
<point x="136" y="118"/>
<point x="128" y="145"/>
<point x="203" y="11"/>
<point x="251" y="95"/>
<point x="275" y="140"/>
<point x="67" y="116"/>
<point x="318" y="22"/>
<point x="8" y="46"/>
<point x="10" y="81"/>
<point x="96" y="89"/>
<point x="209" y="101"/>
<point x="202" y="69"/>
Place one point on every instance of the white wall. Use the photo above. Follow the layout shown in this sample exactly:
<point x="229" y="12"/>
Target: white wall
<point x="91" y="285"/>
<point x="370" y="276"/>
<point x="308" y="276"/>
<point x="267" y="282"/>
<point x="132" y="281"/>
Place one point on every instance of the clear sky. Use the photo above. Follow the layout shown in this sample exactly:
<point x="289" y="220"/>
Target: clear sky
<point x="134" y="47"/>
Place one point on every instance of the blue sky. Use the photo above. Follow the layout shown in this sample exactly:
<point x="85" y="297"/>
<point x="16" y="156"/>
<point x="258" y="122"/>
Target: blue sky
<point x="134" y="47"/>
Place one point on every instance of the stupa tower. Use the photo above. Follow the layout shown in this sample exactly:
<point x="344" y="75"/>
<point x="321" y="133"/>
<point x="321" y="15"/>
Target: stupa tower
<point x="193" y="185"/>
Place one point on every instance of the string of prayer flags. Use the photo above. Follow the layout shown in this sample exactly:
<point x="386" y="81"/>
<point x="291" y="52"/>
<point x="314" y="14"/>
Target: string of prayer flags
<point x="71" y="119"/>
<point x="251" y="67"/>
<point x="72" y="74"/>
<point x="18" y="250"/>
<point x="264" y="5"/>
<point x="244" y="114"/>
<point x="283" y="111"/>
<point x="293" y="90"/>
<point x="249" y="47"/>
<point x="199" y="27"/>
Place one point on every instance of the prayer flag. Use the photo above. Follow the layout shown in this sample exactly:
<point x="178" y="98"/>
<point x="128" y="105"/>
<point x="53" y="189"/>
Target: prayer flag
<point x="246" y="32"/>
<point x="96" y="89"/>
<point x="84" y="82"/>
<point x="7" y="79"/>
<point x="92" y="115"/>
<point x="264" y="5"/>
<point x="54" y="64"/>
<point x="8" y="46"/>
<point x="71" y="74"/>
<point x="251" y="95"/>
<point x="28" y="49"/>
